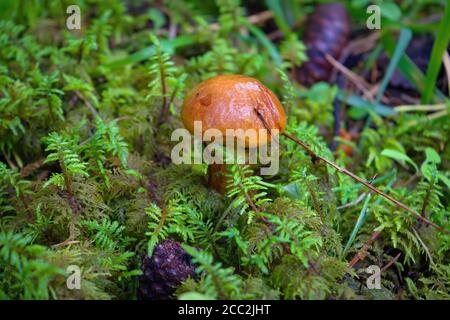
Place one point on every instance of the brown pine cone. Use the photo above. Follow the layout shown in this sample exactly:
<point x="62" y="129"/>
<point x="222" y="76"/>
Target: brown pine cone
<point x="327" y="31"/>
<point x="164" y="271"/>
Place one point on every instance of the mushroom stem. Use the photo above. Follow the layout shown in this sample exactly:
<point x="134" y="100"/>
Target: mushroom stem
<point x="216" y="177"/>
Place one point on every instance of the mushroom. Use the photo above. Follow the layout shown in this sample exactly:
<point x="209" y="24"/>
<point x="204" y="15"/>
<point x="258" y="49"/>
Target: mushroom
<point x="233" y="102"/>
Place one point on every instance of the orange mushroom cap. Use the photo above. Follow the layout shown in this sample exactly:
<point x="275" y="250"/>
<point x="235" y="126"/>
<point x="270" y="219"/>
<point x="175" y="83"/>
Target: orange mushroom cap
<point x="234" y="102"/>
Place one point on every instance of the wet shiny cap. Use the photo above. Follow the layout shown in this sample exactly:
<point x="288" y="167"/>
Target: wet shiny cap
<point x="234" y="102"/>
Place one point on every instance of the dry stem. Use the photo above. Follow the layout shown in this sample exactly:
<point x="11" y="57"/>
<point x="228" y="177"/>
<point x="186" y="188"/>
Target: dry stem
<point x="363" y="182"/>
<point x="315" y="156"/>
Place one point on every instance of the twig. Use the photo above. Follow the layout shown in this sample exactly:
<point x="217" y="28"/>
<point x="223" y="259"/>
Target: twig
<point x="65" y="243"/>
<point x="29" y="168"/>
<point x="8" y="160"/>
<point x="166" y="107"/>
<point x="433" y="116"/>
<point x="359" y="82"/>
<point x="68" y="184"/>
<point x="315" y="156"/>
<point x="354" y="203"/>
<point x="222" y="218"/>
<point x="356" y="47"/>
<point x="364" y="44"/>
<point x="151" y="191"/>
<point x="423" y="245"/>
<point x="390" y="263"/>
<point x="315" y="200"/>
<point x="249" y="199"/>
<point x="247" y="196"/>
<point x="87" y="103"/>
<point x="361" y="254"/>
<point x="437" y="115"/>
<point x="260" y="17"/>
<point x="423" y="107"/>
<point x="257" y="18"/>
<point x="362" y="181"/>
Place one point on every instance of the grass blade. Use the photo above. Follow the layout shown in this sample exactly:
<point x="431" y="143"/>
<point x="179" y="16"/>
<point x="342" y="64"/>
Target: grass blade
<point x="280" y="19"/>
<point x="358" y="224"/>
<point x="363" y="214"/>
<point x="408" y="68"/>
<point x="439" y="47"/>
<point x="403" y="41"/>
<point x="265" y="42"/>
<point x="358" y="102"/>
<point x="166" y="45"/>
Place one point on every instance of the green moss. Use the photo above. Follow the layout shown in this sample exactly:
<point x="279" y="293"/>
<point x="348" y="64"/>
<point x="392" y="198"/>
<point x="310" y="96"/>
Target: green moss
<point x="86" y="179"/>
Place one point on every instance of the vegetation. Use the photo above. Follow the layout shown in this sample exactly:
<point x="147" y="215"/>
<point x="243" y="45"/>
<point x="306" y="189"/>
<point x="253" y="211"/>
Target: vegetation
<point x="86" y="178"/>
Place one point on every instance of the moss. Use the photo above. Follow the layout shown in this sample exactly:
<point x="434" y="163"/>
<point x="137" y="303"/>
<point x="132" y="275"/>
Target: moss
<point x="86" y="177"/>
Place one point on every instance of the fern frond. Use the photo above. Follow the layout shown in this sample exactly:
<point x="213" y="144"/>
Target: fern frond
<point x="217" y="282"/>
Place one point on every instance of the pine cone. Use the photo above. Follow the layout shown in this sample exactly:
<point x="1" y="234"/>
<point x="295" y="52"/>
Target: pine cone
<point x="327" y="31"/>
<point x="164" y="271"/>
